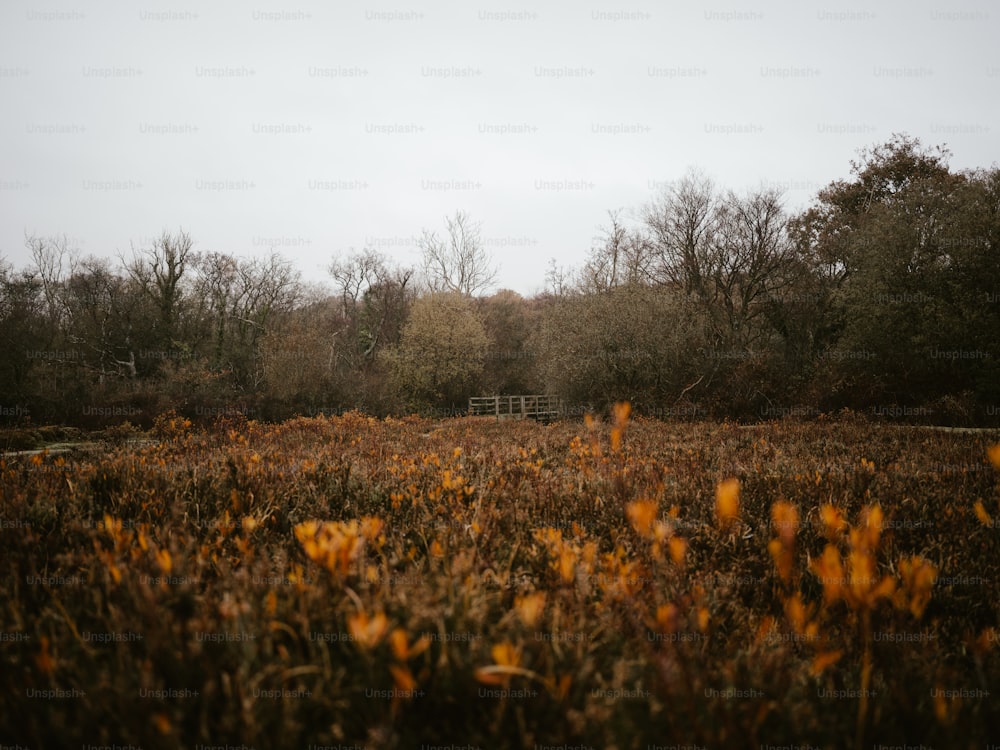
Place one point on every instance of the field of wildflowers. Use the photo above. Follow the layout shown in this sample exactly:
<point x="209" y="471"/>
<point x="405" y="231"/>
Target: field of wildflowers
<point x="355" y="582"/>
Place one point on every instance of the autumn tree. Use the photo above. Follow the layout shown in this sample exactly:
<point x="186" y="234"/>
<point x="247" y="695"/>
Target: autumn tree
<point x="440" y="358"/>
<point x="621" y="256"/>
<point x="22" y="324"/>
<point x="635" y="343"/>
<point x="511" y="363"/>
<point x="907" y="245"/>
<point x="237" y="300"/>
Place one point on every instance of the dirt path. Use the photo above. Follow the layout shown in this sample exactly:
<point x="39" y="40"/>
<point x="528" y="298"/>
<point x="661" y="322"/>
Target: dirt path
<point x="82" y="446"/>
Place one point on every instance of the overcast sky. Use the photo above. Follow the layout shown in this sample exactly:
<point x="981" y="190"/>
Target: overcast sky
<point x="316" y="128"/>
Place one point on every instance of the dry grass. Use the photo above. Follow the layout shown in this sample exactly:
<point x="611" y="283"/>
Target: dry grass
<point x="395" y="583"/>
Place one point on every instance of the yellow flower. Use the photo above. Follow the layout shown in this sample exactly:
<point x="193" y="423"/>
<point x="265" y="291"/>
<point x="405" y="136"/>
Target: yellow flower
<point x="561" y="688"/>
<point x="402" y="677"/>
<point x="796" y="613"/>
<point x="621" y="412"/>
<point x="567" y="564"/>
<point x="306" y="530"/>
<point x="371" y="527"/>
<point x="529" y="607"/>
<point x="401" y="649"/>
<point x="506" y="662"/>
<point x="785" y="517"/>
<point x="727" y="500"/>
<point x="833" y="520"/>
<point x="166" y="563"/>
<point x="398" y="643"/>
<point x="367" y="632"/>
<point x="830" y="572"/>
<point x="506" y="655"/>
<point x="942" y="710"/>
<point x="919" y="576"/>
<point x="641" y="514"/>
<point x="678" y="549"/>
<point x="666" y="618"/>
<point x="982" y="515"/>
<point x="703" y="618"/>
<point x="823" y="660"/>
<point x="994" y="454"/>
<point x="871" y="523"/>
<point x="783" y="559"/>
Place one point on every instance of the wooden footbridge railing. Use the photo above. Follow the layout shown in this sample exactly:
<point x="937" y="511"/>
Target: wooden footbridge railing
<point x="543" y="408"/>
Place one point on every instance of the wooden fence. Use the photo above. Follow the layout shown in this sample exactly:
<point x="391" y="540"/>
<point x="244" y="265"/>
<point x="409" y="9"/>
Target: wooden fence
<point x="543" y="408"/>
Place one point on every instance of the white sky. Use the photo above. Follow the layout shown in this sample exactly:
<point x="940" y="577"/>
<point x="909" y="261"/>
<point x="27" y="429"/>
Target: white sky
<point x="322" y="127"/>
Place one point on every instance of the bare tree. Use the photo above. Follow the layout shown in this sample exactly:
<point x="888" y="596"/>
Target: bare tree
<point x="356" y="274"/>
<point x="238" y="299"/>
<point x="682" y="226"/>
<point x="375" y="296"/>
<point x="458" y="262"/>
<point x="557" y="279"/>
<point x="730" y="252"/>
<point x="158" y="272"/>
<point x="622" y="256"/>
<point x="54" y="262"/>
<point x="754" y="259"/>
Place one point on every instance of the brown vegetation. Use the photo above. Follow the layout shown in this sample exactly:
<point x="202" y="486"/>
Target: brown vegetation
<point x="388" y="583"/>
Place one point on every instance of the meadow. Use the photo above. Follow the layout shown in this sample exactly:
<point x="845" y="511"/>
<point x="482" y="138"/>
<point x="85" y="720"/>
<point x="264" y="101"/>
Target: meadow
<point x="622" y="583"/>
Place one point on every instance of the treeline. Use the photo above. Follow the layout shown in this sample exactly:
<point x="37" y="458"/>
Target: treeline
<point x="883" y="297"/>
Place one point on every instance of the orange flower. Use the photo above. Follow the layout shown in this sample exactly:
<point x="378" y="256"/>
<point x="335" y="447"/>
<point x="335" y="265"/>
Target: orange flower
<point x="871" y="525"/>
<point x="785" y="518"/>
<point x="165" y="561"/>
<point x="641" y="514"/>
<point x="918" y="577"/>
<point x="162" y="723"/>
<point x="306" y="531"/>
<point x="825" y="659"/>
<point x="984" y="518"/>
<point x="703" y="618"/>
<point x="798" y="615"/>
<point x="367" y="632"/>
<point x="561" y="687"/>
<point x="727" y="500"/>
<point x="567" y="564"/>
<point x="43" y="659"/>
<point x="830" y="572"/>
<point x="620" y="412"/>
<point x="371" y="527"/>
<point x="398" y="643"/>
<point x="994" y="454"/>
<point x="505" y="654"/>
<point x="529" y="607"/>
<point x="833" y="520"/>
<point x="401" y="648"/>
<point x="678" y="549"/>
<point x="402" y="677"/>
<point x="783" y="559"/>
<point x="666" y="618"/>
<point x="506" y="662"/>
